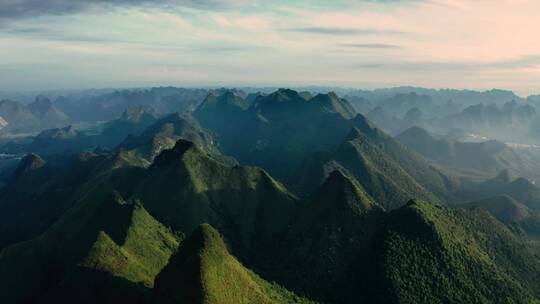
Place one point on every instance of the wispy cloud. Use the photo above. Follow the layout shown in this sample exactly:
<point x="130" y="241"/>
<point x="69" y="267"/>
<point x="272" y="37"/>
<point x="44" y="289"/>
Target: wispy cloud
<point x="370" y="46"/>
<point x="525" y="62"/>
<point x="60" y="36"/>
<point x="344" y="31"/>
<point x="16" y="9"/>
<point x="55" y="35"/>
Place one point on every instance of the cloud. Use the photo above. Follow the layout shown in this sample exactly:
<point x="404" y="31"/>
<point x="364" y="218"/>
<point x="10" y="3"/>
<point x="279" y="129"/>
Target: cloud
<point x="525" y="62"/>
<point x="385" y="42"/>
<point x="36" y="34"/>
<point x="531" y="61"/>
<point x="17" y="9"/>
<point x="344" y="31"/>
<point x="252" y="23"/>
<point x="227" y="48"/>
<point x="53" y="35"/>
<point x="370" y="46"/>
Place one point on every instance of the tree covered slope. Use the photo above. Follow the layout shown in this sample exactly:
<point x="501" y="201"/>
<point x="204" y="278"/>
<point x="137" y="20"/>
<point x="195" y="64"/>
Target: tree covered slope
<point x="168" y="216"/>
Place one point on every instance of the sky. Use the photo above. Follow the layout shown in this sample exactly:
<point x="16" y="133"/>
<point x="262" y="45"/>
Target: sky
<point x="72" y="44"/>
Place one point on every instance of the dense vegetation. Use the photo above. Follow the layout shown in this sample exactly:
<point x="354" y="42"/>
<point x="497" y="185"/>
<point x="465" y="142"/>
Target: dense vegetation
<point x="285" y="197"/>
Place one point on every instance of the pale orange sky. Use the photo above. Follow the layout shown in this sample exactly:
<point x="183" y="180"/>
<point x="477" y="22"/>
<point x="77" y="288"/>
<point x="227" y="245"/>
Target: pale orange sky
<point x="435" y="43"/>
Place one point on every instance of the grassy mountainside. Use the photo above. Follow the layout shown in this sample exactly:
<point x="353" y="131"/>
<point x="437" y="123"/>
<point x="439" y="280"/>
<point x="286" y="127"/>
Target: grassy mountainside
<point x="113" y="240"/>
<point x="188" y="186"/>
<point x="203" y="271"/>
<point x="388" y="171"/>
<point x="418" y="253"/>
<point x="433" y="254"/>
<point x="329" y="249"/>
<point x="105" y="242"/>
<point x="107" y="248"/>
<point x="441" y="184"/>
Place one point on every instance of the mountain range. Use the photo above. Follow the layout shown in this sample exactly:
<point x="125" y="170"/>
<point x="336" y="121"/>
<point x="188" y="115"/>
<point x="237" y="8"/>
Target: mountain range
<point x="38" y="115"/>
<point x="488" y="157"/>
<point x="280" y="197"/>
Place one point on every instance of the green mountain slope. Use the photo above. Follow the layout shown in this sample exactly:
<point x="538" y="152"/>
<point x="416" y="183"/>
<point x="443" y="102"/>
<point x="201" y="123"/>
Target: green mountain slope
<point x="276" y="131"/>
<point x="112" y="240"/>
<point x="483" y="158"/>
<point x="388" y="171"/>
<point x="65" y="140"/>
<point x="165" y="133"/>
<point x="442" y="184"/>
<point x="224" y="114"/>
<point x="329" y="250"/>
<point x="343" y="248"/>
<point x="104" y="242"/>
<point x="505" y="183"/>
<point x="110" y="227"/>
<point x="432" y="254"/>
<point x="504" y="208"/>
<point x="39" y="193"/>
<point x="203" y="271"/>
<point x="511" y="212"/>
<point x="188" y="186"/>
<point x="133" y="122"/>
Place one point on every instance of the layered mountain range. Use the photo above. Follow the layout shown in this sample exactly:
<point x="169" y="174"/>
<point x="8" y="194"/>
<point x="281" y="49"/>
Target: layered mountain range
<point x="16" y="117"/>
<point x="284" y="197"/>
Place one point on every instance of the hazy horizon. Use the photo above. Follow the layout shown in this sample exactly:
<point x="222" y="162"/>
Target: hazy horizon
<point x="61" y="44"/>
<point x="262" y="88"/>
